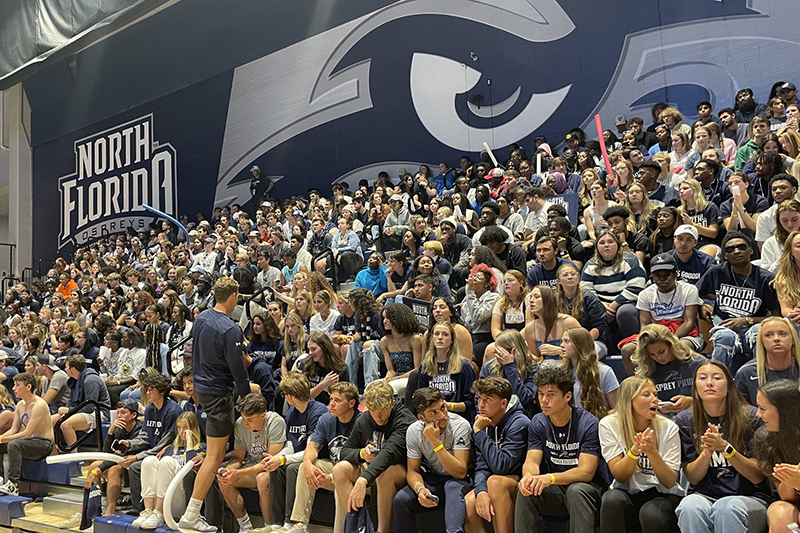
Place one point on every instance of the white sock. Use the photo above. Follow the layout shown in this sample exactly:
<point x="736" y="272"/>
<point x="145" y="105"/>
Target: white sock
<point x="244" y="521"/>
<point x="193" y="509"/>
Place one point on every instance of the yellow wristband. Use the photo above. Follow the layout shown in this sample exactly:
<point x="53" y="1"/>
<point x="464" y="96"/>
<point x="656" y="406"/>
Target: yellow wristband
<point x="281" y="459"/>
<point x="734" y="452"/>
<point x="95" y="471"/>
<point x="552" y="479"/>
<point x="361" y="453"/>
<point x="1" y="440"/>
<point x="630" y="454"/>
<point x="451" y="406"/>
<point x="439" y="447"/>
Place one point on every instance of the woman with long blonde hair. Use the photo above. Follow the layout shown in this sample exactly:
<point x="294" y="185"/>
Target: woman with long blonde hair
<point x="777" y="357"/>
<point x="643" y="452"/>
<point x="596" y="386"/>
<point x="638" y="203"/>
<point x="585" y="307"/>
<point x="294" y="341"/>
<point x="787" y="279"/>
<point x="787" y="220"/>
<point x="513" y="362"/>
<point x="703" y="215"/>
<point x="444" y="369"/>
<point x="158" y="471"/>
<point x="662" y="357"/>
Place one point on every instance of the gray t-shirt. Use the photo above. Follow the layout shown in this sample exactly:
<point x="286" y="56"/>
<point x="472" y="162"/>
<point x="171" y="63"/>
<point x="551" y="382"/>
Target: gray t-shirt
<point x="255" y="443"/>
<point x="608" y="382"/>
<point x="457" y="436"/>
<point x="59" y="383"/>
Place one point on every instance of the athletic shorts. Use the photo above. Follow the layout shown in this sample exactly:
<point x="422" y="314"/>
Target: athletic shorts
<point x="219" y="410"/>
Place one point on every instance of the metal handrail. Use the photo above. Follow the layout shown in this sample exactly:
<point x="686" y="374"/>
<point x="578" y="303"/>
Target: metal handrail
<point x="58" y="435"/>
<point x="171" y="349"/>
<point x="3" y="284"/>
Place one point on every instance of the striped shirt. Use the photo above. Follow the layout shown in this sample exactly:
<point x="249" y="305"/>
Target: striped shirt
<point x="621" y="287"/>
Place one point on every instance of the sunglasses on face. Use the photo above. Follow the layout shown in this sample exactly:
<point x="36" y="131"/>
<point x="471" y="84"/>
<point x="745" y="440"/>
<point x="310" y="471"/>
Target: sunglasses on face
<point x="733" y="248"/>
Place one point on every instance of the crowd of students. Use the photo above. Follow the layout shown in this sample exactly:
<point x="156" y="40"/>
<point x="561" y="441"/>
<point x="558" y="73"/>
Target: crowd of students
<point x="464" y="371"/>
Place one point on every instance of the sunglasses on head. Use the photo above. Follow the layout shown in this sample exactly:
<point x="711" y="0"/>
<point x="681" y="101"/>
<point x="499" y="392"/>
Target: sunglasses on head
<point x="730" y="249"/>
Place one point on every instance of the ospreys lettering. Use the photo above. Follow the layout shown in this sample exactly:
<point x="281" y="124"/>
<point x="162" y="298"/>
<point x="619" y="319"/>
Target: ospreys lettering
<point x="117" y="171"/>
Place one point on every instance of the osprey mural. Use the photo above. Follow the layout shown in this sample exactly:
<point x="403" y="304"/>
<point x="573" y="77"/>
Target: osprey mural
<point x="425" y="81"/>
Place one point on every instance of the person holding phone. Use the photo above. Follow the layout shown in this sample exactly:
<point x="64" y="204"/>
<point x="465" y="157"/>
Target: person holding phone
<point x="438" y="446"/>
<point x="124" y="428"/>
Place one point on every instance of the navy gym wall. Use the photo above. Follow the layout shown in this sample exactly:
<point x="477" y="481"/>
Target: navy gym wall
<point x="323" y="90"/>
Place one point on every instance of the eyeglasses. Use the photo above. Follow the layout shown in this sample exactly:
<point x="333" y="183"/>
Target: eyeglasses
<point x="741" y="247"/>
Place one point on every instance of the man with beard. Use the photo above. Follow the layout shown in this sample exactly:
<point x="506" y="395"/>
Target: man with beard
<point x="731" y="128"/>
<point x="490" y="212"/>
<point x="746" y="106"/>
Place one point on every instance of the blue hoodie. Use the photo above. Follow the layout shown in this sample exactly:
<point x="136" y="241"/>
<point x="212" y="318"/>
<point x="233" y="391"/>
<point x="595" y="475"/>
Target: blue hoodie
<point x="501" y="449"/>
<point x="89" y="386"/>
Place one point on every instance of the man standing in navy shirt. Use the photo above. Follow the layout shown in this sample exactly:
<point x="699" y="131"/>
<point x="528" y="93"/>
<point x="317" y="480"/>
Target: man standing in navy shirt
<point x="560" y="475"/>
<point x="218" y="368"/>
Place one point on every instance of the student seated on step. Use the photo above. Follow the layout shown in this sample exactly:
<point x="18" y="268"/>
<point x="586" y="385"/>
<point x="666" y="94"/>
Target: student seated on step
<point x="258" y="436"/>
<point x="125" y="428"/>
<point x="30" y="436"/>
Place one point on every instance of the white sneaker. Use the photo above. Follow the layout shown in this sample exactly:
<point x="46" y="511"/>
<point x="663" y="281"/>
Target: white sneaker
<point x="154" y="521"/>
<point x="144" y="515"/>
<point x="73" y="522"/>
<point x="198" y="525"/>
<point x="10" y="488"/>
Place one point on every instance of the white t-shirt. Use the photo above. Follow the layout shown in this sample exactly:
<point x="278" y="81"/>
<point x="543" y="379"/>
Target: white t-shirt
<point x="669" y="447"/>
<point x="537" y="220"/>
<point x="771" y="253"/>
<point x="766" y="225"/>
<point x="668" y="306"/>
<point x="324" y="326"/>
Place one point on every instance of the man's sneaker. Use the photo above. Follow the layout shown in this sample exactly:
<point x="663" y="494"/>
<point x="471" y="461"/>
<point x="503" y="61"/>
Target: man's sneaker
<point x="73" y="522"/>
<point x="144" y="515"/>
<point x="154" y="521"/>
<point x="10" y="488"/>
<point x="198" y="525"/>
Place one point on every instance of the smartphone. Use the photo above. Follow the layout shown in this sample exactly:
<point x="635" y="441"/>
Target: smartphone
<point x="661" y="405"/>
<point x="735" y="190"/>
<point x="119" y="447"/>
<point x="372" y="449"/>
<point x="432" y="497"/>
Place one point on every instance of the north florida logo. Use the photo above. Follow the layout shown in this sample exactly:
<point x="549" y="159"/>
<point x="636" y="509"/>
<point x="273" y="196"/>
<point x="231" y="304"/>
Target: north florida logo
<point x="116" y="171"/>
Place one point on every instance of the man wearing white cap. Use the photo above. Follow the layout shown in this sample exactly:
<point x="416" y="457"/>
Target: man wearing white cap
<point x="689" y="262"/>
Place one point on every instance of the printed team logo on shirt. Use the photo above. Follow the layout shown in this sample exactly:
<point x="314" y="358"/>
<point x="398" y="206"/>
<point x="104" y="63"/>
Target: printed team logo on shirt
<point x="737" y="301"/>
<point x="444" y="384"/>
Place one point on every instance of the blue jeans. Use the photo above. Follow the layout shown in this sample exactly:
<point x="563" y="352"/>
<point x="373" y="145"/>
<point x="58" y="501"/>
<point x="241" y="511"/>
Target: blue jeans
<point x="406" y="506"/>
<point x="733" y="347"/>
<point x="731" y="514"/>
<point x="372" y="361"/>
<point x="135" y="394"/>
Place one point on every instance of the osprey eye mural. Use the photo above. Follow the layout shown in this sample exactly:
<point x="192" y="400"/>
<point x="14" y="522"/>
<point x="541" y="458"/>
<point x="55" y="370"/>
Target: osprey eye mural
<point x="328" y="90"/>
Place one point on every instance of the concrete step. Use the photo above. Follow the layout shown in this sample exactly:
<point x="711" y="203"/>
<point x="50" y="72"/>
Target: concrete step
<point x="65" y="504"/>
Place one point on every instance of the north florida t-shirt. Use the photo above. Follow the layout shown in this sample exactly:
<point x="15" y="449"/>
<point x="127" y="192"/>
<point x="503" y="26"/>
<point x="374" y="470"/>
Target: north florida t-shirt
<point x="739" y="296"/>
<point x="561" y="446"/>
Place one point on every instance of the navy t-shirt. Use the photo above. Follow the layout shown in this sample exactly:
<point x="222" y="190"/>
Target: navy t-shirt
<point x="331" y="435"/>
<point x="455" y="388"/>
<point x="268" y="350"/>
<point x="722" y="479"/>
<point x="537" y="275"/>
<point x="158" y="422"/>
<point x="371" y="330"/>
<point x="706" y="217"/>
<point x="692" y="270"/>
<point x="347" y="325"/>
<point x="561" y="446"/>
<point x="300" y="426"/>
<point x="676" y="377"/>
<point x="739" y="296"/>
<point x="746" y="379"/>
<point x="323" y="397"/>
<point x="260" y="373"/>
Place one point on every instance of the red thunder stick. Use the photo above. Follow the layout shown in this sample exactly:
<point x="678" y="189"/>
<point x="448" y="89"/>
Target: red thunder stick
<point x="611" y="178"/>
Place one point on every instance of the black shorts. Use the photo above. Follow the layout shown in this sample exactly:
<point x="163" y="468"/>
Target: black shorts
<point x="221" y="417"/>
